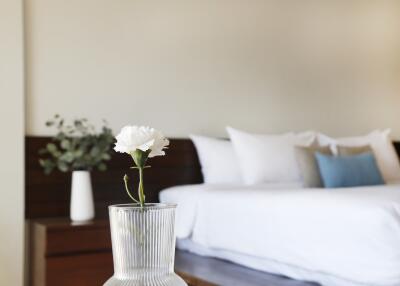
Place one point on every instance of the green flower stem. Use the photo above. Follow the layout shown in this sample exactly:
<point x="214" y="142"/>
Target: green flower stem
<point x="126" y="179"/>
<point x="141" y="189"/>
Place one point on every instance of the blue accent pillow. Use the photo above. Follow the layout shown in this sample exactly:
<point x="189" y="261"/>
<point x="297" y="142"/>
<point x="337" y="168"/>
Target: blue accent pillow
<point x="349" y="171"/>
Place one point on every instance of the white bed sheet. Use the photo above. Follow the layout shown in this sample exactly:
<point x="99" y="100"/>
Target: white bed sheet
<point x="334" y="237"/>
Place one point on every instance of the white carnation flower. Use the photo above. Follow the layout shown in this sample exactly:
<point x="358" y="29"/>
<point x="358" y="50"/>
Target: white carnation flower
<point x="132" y="138"/>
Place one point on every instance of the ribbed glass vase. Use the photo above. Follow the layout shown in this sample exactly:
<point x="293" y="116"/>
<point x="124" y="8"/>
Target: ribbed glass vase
<point x="143" y="245"/>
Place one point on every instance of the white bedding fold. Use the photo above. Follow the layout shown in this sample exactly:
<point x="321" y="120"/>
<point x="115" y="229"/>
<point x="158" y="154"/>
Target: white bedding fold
<point x="353" y="234"/>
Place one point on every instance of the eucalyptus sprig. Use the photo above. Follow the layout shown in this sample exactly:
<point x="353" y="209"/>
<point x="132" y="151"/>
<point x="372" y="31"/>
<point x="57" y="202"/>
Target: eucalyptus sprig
<point x="76" y="146"/>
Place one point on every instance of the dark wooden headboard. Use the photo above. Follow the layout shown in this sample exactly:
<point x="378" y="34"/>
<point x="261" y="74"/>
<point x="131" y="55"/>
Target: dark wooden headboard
<point x="397" y="147"/>
<point x="48" y="195"/>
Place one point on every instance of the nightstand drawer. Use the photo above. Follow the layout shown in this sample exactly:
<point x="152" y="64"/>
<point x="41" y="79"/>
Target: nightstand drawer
<point x="77" y="239"/>
<point x="68" y="254"/>
<point x="83" y="269"/>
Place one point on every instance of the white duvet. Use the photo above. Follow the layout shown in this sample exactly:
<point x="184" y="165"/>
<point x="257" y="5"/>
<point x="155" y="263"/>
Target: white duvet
<point x="334" y="237"/>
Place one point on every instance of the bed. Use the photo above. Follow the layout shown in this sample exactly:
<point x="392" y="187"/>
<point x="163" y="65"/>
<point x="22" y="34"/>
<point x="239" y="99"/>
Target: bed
<point x="342" y="237"/>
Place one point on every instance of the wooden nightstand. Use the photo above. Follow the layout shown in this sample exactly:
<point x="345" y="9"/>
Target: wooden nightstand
<point x="65" y="253"/>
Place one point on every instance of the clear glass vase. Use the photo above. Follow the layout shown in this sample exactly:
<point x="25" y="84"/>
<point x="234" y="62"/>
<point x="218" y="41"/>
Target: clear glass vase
<point x="143" y="245"/>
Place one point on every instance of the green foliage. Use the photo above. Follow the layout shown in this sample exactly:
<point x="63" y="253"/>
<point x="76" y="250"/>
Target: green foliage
<point x="76" y="146"/>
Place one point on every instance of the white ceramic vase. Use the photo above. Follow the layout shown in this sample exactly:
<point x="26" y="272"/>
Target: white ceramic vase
<point x="82" y="205"/>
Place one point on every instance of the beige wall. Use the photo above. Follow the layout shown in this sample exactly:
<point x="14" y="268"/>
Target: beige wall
<point x="11" y="146"/>
<point x="195" y="66"/>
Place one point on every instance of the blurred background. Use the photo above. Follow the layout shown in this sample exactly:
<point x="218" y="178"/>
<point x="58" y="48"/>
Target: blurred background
<point x="188" y="67"/>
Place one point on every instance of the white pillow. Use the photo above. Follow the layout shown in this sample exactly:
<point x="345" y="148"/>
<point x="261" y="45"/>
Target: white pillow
<point x="381" y="145"/>
<point x="268" y="158"/>
<point x="218" y="161"/>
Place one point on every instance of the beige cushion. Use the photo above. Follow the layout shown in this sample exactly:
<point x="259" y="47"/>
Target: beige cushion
<point x="348" y="151"/>
<point x="308" y="165"/>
